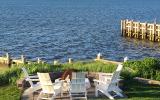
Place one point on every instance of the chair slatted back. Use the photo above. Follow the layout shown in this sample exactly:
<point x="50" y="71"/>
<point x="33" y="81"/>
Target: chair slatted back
<point x="46" y="83"/>
<point x="109" y="81"/>
<point x="78" y="82"/>
<point x="116" y="74"/>
<point x="78" y="75"/>
<point x="25" y="72"/>
<point x="27" y="76"/>
<point x="78" y="85"/>
<point x="103" y="77"/>
<point x="73" y="75"/>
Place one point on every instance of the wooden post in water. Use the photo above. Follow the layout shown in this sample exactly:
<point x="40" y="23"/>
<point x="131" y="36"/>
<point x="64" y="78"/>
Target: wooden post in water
<point x="138" y="30"/>
<point x="143" y="30"/>
<point x="158" y="32"/>
<point x="149" y="31"/>
<point x="131" y="28"/>
<point x="122" y="27"/>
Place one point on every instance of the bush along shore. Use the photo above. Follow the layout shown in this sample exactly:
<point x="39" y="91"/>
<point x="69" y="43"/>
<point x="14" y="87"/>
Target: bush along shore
<point x="146" y="68"/>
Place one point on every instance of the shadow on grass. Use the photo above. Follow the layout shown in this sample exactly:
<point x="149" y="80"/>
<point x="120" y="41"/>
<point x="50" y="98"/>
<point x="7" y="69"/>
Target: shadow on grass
<point x="137" y="91"/>
<point x="134" y="89"/>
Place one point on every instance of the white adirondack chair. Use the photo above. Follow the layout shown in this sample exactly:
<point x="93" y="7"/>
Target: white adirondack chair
<point x="49" y="90"/>
<point x="81" y="75"/>
<point x="78" y="89"/>
<point x="78" y="75"/>
<point x="109" y="84"/>
<point x="31" y="79"/>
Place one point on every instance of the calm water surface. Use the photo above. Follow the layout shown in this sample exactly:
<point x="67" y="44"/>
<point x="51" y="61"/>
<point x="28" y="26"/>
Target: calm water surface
<point x="59" y="29"/>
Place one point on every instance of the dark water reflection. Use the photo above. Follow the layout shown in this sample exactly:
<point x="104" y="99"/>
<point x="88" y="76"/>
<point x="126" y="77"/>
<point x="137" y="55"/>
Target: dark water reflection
<point x="59" y="29"/>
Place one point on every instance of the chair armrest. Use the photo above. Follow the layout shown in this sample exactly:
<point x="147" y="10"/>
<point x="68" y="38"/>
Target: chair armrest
<point x="116" y="81"/>
<point x="109" y="74"/>
<point x="33" y="76"/>
<point x="28" y="79"/>
<point x="98" y="81"/>
<point x="102" y="82"/>
<point x="58" y="83"/>
<point x="58" y="80"/>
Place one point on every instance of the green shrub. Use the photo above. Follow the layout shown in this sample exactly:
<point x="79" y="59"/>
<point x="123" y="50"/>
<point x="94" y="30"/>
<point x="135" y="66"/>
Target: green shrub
<point x="9" y="92"/>
<point x="146" y="68"/>
<point x="93" y="66"/>
<point x="9" y="76"/>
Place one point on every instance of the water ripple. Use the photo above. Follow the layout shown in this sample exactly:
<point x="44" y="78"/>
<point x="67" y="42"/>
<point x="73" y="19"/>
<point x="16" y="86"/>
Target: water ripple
<point x="61" y="29"/>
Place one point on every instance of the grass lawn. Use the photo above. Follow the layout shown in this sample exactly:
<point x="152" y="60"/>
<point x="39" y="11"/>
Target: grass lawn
<point x="138" y="91"/>
<point x="9" y="92"/>
<point x="133" y="89"/>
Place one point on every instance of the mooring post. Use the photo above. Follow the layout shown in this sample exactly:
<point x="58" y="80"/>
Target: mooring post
<point x="138" y="30"/>
<point x="158" y="32"/>
<point x="122" y="27"/>
<point x="125" y="59"/>
<point x="126" y="27"/>
<point x="130" y="28"/>
<point x="8" y="58"/>
<point x="55" y="62"/>
<point x="99" y="56"/>
<point x="149" y="31"/>
<point x="23" y="59"/>
<point x="38" y="60"/>
<point x="70" y="60"/>
<point x="143" y="32"/>
<point x="154" y="33"/>
<point x="131" y="32"/>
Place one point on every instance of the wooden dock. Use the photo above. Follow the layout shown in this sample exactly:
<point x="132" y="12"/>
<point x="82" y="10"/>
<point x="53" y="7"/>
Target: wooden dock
<point x="7" y="60"/>
<point x="143" y="31"/>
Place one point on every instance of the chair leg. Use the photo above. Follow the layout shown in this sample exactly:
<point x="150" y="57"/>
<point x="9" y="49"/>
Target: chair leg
<point x="119" y="89"/>
<point x="70" y="97"/>
<point x="53" y="97"/>
<point x="118" y="93"/>
<point x="96" y="93"/>
<point x="108" y="95"/>
<point x="39" y="95"/>
<point x="86" y="95"/>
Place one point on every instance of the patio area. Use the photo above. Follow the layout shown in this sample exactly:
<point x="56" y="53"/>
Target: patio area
<point x="73" y="85"/>
<point x="29" y="95"/>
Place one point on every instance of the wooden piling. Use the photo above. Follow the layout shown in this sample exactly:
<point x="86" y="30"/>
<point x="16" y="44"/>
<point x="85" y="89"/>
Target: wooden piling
<point x="38" y="61"/>
<point x="55" y="62"/>
<point x="99" y="56"/>
<point x="133" y="29"/>
<point x="23" y="59"/>
<point x="8" y="59"/>
<point x="70" y="60"/>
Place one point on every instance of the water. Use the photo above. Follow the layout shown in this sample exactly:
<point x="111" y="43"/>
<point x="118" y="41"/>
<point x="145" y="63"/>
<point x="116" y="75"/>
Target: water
<point x="59" y="29"/>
